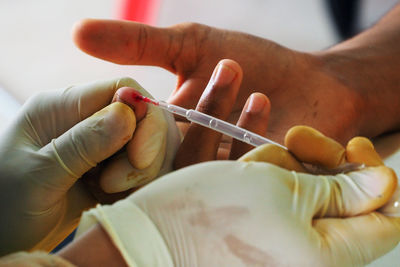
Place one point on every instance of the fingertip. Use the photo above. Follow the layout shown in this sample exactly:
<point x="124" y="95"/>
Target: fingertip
<point x="81" y="30"/>
<point x="361" y="150"/>
<point x="234" y="66"/>
<point x="254" y="117"/>
<point x="311" y="146"/>
<point x="105" y="39"/>
<point x="122" y="118"/>
<point x="258" y="103"/>
<point x="128" y="96"/>
<point x="149" y="140"/>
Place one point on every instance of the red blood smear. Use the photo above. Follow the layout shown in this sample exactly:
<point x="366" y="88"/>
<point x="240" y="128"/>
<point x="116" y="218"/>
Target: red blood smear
<point x="139" y="98"/>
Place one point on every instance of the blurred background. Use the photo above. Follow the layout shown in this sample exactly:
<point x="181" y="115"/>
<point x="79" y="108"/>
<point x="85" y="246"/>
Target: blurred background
<point x="37" y="53"/>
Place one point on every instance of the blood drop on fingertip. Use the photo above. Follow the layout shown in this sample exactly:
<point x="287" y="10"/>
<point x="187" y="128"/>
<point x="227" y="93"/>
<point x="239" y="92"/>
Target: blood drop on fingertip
<point x="132" y="98"/>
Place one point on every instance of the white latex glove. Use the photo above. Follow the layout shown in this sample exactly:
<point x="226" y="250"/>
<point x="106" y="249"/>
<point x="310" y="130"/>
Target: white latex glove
<point x="34" y="259"/>
<point x="247" y="213"/>
<point x="56" y="138"/>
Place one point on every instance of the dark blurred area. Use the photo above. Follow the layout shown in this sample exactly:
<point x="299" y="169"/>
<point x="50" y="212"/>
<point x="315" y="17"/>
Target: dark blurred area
<point x="345" y="15"/>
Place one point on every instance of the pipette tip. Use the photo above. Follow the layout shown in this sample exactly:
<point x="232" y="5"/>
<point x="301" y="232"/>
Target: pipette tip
<point x="140" y="98"/>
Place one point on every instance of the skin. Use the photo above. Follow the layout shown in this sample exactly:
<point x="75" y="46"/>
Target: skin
<point x="347" y="90"/>
<point x="94" y="242"/>
<point x="124" y="95"/>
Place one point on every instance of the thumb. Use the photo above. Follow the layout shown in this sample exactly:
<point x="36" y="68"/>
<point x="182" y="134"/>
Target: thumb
<point x="126" y="42"/>
<point x="358" y="240"/>
<point x="87" y="143"/>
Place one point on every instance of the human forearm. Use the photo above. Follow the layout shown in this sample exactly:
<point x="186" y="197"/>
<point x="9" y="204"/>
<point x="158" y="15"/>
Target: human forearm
<point x="94" y="248"/>
<point x="369" y="63"/>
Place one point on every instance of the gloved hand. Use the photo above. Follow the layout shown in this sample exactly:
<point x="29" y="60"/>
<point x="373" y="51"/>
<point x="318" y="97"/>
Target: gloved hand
<point x="56" y="138"/>
<point x="249" y="213"/>
<point x="34" y="259"/>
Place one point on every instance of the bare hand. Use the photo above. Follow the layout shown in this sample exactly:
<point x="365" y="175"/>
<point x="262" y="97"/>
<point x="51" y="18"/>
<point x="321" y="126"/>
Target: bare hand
<point x="301" y="88"/>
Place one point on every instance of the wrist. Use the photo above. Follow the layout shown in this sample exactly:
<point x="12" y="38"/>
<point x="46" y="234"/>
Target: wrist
<point x="94" y="248"/>
<point x="371" y="79"/>
<point x="368" y="64"/>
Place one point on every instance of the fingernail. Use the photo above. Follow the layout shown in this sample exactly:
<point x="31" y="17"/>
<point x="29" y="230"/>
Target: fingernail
<point x="255" y="104"/>
<point x="118" y="98"/>
<point x="223" y="75"/>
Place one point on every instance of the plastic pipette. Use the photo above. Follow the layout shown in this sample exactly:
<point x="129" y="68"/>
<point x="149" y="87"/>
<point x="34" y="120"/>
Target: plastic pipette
<point x="218" y="125"/>
<point x="212" y="123"/>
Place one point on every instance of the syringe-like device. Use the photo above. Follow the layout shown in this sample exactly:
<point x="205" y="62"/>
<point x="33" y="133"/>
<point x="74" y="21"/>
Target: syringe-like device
<point x="212" y="123"/>
<point x="218" y="125"/>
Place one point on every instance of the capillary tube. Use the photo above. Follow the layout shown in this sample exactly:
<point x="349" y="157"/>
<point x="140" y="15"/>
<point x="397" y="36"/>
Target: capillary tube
<point x="216" y="124"/>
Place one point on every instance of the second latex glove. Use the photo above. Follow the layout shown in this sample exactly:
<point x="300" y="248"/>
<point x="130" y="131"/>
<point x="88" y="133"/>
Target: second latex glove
<point x="251" y="213"/>
<point x="55" y="139"/>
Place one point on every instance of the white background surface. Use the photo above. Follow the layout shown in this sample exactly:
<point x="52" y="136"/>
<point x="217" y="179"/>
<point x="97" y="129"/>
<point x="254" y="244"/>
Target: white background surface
<point x="36" y="51"/>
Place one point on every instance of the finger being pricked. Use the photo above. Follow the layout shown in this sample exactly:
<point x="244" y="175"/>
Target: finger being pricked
<point x="201" y="144"/>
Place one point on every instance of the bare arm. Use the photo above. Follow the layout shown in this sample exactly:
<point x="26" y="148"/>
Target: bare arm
<point x="370" y="64"/>
<point x="93" y="248"/>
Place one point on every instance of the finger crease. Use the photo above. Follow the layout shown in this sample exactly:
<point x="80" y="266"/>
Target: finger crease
<point x="28" y="119"/>
<point x="142" y="38"/>
<point x="295" y="200"/>
<point x="84" y="158"/>
<point x="60" y="161"/>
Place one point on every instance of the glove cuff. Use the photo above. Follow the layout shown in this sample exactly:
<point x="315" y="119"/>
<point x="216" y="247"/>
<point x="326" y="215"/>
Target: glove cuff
<point x="131" y="231"/>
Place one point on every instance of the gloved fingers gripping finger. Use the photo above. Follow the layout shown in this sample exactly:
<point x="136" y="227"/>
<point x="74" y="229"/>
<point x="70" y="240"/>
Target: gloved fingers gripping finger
<point x="310" y="146"/>
<point x="368" y="236"/>
<point x="147" y="155"/>
<point x="254" y="118"/>
<point x="361" y="150"/>
<point x="88" y="142"/>
<point x="200" y="143"/>
<point x="127" y="95"/>
<point x="119" y="175"/>
<point x="52" y="113"/>
<point x="149" y="140"/>
<point x="151" y="132"/>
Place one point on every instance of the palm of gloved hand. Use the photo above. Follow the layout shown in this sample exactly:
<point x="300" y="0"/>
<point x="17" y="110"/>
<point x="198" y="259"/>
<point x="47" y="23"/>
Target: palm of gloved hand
<point x="56" y="138"/>
<point x="257" y="214"/>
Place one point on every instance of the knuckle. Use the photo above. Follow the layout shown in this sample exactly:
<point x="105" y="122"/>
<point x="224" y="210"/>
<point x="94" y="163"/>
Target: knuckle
<point x="186" y="46"/>
<point x="141" y="43"/>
